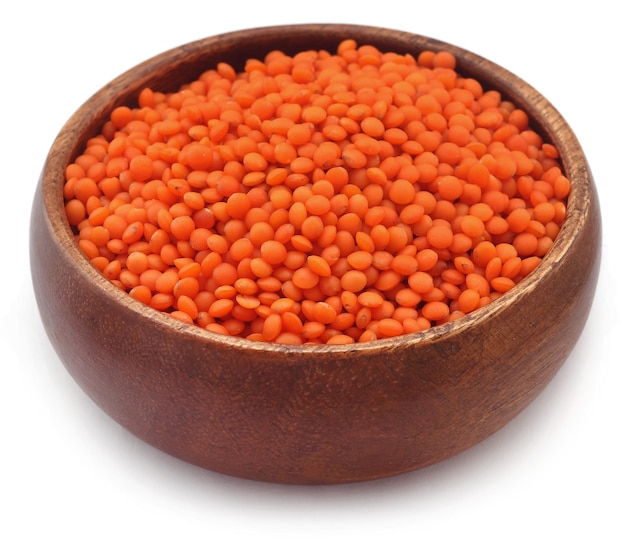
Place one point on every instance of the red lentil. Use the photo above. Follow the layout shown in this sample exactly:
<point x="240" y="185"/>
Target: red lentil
<point x="320" y="198"/>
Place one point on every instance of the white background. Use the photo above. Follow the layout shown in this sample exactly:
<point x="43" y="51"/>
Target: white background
<point x="66" y="469"/>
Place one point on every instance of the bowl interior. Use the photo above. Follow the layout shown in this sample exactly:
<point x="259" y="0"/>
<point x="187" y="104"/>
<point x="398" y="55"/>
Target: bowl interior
<point x="171" y="69"/>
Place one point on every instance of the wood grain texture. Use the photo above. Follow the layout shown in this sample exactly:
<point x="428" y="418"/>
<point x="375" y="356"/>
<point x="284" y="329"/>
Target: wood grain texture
<point x="310" y="414"/>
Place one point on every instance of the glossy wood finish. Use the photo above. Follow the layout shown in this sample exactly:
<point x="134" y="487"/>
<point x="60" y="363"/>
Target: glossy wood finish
<point x="310" y="415"/>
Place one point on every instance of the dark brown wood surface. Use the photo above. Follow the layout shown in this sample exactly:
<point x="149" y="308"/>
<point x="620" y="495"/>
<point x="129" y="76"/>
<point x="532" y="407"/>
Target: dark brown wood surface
<point x="310" y="414"/>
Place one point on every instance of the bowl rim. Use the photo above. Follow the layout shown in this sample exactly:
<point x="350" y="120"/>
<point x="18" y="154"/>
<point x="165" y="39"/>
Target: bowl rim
<point x="558" y="132"/>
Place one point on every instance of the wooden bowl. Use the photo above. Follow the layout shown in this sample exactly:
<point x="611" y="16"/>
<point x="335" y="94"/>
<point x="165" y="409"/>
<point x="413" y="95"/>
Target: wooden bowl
<point x="310" y="414"/>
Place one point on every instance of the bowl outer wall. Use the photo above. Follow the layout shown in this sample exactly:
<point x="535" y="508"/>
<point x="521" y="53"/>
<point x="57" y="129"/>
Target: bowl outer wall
<point x="316" y="414"/>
